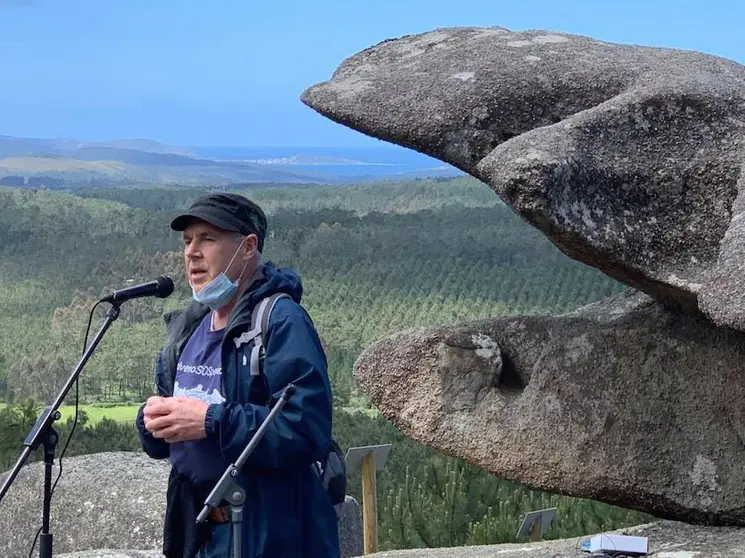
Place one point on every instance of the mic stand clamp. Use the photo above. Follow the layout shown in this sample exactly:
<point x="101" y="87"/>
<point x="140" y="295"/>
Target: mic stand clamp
<point x="43" y="433"/>
<point x="228" y="490"/>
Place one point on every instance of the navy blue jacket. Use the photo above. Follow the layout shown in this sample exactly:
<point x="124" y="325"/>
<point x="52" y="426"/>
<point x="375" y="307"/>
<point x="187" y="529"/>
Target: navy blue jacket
<point x="287" y="512"/>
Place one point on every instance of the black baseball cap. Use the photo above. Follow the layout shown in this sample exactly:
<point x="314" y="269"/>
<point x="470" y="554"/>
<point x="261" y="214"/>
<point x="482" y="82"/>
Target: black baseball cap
<point x="230" y="212"/>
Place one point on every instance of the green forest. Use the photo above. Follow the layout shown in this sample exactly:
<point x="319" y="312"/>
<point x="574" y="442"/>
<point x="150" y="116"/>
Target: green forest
<point x="374" y="258"/>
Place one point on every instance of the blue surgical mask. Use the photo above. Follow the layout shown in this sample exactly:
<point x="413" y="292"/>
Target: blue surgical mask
<point x="218" y="292"/>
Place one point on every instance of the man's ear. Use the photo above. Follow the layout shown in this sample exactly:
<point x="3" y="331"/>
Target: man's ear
<point x="251" y="243"/>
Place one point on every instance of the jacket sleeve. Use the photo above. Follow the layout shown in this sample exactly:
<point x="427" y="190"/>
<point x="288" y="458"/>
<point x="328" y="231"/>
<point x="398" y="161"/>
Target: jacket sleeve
<point x="301" y="431"/>
<point x="156" y="448"/>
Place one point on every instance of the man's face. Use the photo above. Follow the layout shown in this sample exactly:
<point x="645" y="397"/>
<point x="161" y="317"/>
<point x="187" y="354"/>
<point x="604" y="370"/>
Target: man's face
<point x="207" y="253"/>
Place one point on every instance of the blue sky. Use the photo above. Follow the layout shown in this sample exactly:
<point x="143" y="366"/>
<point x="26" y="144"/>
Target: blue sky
<point x="231" y="72"/>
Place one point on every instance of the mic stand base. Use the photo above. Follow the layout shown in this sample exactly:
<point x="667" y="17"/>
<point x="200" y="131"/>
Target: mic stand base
<point x="228" y="490"/>
<point x="50" y="447"/>
<point x="236" y="498"/>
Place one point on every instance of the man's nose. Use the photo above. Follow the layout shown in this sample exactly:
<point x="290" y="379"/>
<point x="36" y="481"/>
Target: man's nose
<point x="191" y="250"/>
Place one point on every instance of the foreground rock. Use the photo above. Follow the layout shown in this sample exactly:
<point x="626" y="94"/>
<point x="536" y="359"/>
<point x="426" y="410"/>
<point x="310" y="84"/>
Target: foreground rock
<point x="666" y="540"/>
<point x="623" y="402"/>
<point x="628" y="158"/>
<point x="109" y="500"/>
<point x="107" y="553"/>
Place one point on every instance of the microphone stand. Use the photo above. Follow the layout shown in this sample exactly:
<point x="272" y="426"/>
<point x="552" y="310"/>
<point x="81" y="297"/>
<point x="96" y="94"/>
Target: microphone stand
<point x="228" y="490"/>
<point x="43" y="433"/>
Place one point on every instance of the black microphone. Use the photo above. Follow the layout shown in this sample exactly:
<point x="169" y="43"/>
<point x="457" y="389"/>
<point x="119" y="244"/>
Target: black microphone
<point x="160" y="288"/>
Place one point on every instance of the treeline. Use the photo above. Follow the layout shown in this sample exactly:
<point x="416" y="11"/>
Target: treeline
<point x="384" y="197"/>
<point x="31" y="181"/>
<point x="57" y="182"/>
<point x="366" y="274"/>
<point x="17" y="420"/>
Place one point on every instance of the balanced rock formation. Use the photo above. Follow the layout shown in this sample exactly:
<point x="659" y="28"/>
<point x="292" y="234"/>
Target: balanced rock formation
<point x="110" y="501"/>
<point x="630" y="159"/>
<point x="622" y="402"/>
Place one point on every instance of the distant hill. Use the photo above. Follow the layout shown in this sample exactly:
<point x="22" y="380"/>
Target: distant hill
<point x="66" y="162"/>
<point x="69" y="162"/>
<point x="13" y="146"/>
<point x="63" y="171"/>
<point x="146" y="145"/>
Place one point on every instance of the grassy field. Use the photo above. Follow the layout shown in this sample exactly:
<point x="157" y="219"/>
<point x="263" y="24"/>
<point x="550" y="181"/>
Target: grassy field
<point x="127" y="413"/>
<point x="118" y="413"/>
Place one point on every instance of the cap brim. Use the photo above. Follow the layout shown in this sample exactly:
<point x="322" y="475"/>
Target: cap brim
<point x="185" y="219"/>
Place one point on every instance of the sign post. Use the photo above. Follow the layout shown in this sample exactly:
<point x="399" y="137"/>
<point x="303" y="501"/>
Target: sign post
<point x="369" y="459"/>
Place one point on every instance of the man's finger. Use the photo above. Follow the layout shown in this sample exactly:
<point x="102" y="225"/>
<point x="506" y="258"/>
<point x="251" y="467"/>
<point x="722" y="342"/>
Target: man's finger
<point x="159" y="423"/>
<point x="155" y="400"/>
<point x="159" y="408"/>
<point x="158" y="401"/>
<point x="168" y="432"/>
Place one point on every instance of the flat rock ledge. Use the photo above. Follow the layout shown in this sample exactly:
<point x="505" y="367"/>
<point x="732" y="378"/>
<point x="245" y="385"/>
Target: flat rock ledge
<point x="667" y="539"/>
<point x="106" y="553"/>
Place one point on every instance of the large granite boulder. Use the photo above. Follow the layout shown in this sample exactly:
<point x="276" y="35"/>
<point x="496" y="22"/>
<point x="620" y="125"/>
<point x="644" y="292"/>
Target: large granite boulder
<point x="628" y="158"/>
<point x="622" y="402"/>
<point x="110" y="501"/>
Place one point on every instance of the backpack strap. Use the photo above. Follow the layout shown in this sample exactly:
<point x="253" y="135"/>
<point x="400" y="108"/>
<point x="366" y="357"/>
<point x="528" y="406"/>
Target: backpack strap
<point x="333" y="471"/>
<point x="259" y="326"/>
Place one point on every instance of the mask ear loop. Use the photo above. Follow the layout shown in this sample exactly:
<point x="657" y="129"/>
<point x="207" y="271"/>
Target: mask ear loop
<point x="212" y="317"/>
<point x="233" y="259"/>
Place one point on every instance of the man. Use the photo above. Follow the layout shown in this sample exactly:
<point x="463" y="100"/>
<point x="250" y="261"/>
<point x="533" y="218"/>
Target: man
<point x="210" y="405"/>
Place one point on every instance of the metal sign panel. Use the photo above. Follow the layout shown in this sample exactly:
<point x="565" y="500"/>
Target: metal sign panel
<point x="531" y="517"/>
<point x="354" y="456"/>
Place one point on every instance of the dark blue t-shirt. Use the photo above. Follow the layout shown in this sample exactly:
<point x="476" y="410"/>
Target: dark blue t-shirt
<point x="199" y="375"/>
